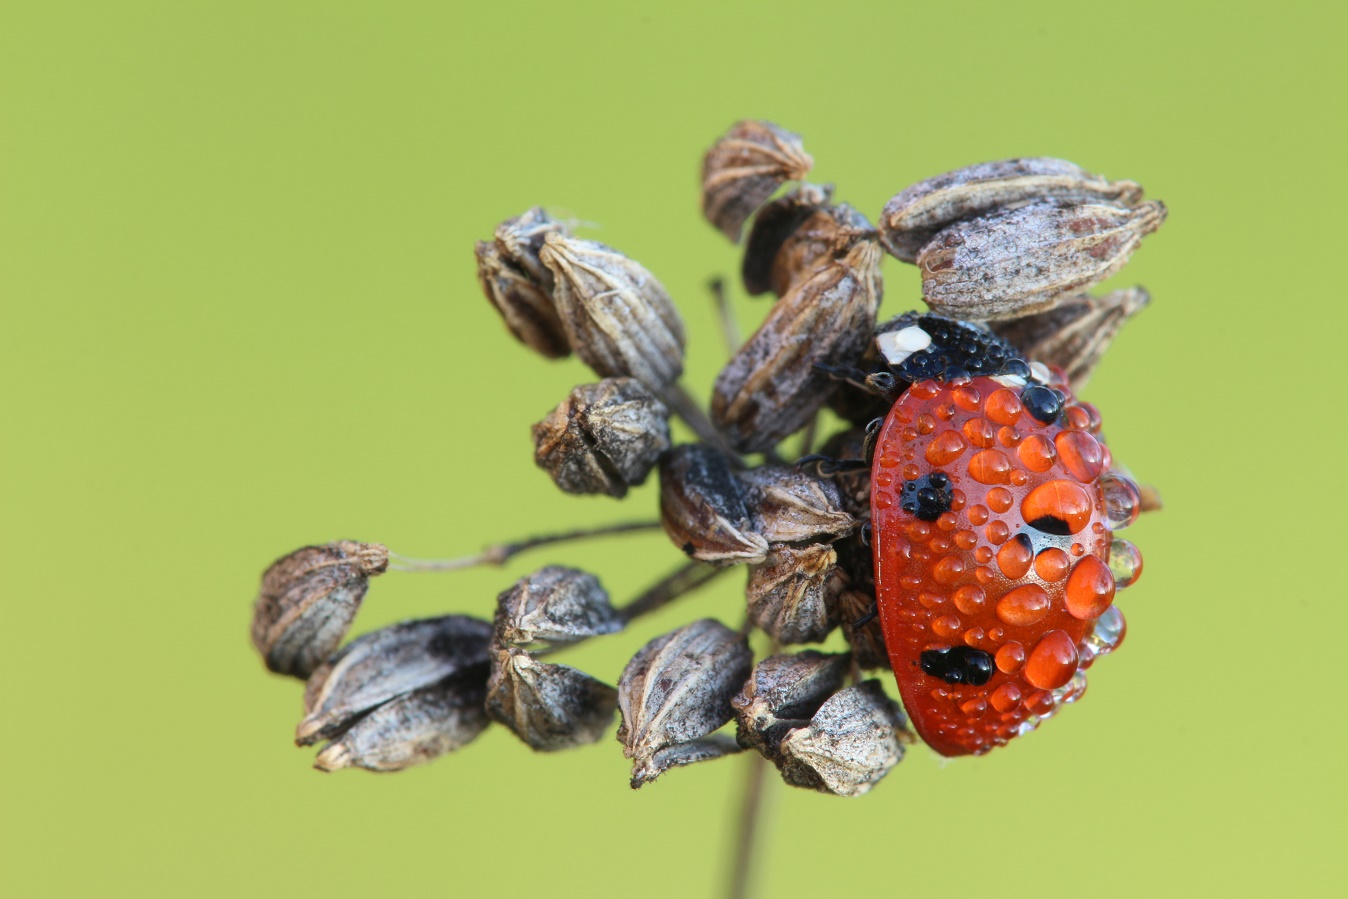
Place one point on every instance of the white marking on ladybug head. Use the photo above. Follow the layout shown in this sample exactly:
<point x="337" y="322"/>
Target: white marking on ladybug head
<point x="1039" y="371"/>
<point x="1014" y="381"/>
<point x="897" y="346"/>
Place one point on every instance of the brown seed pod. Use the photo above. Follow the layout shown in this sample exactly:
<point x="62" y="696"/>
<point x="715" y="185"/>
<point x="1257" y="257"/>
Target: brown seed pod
<point x="411" y="729"/>
<point x="550" y="707"/>
<point x="703" y="510"/>
<point x="857" y="604"/>
<point x="517" y="283"/>
<point x="742" y="170"/>
<point x="771" y="388"/>
<point x="852" y="742"/>
<point x="675" y="692"/>
<point x="793" y="594"/>
<point x="1075" y="335"/>
<point x="618" y="318"/>
<point x="778" y="223"/>
<point x="914" y="216"/>
<point x="308" y="600"/>
<point x="790" y="506"/>
<point x="1015" y="263"/>
<point x="391" y="662"/>
<point x="785" y="692"/>
<point x="554" y="606"/>
<point x="603" y="438"/>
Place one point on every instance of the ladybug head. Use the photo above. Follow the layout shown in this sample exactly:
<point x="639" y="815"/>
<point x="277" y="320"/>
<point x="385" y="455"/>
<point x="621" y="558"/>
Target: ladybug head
<point x="921" y="347"/>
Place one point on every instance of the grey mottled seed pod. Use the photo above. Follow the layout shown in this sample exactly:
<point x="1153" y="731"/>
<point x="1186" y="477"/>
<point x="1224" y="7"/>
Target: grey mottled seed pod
<point x="517" y="283"/>
<point x="618" y="318"/>
<point x="784" y="692"/>
<point x="308" y="600"/>
<point x="703" y="510"/>
<point x="791" y="239"/>
<point x="1076" y="334"/>
<point x="1015" y="263"/>
<point x="554" y="606"/>
<point x="550" y="707"/>
<point x="412" y="729"/>
<point x="791" y="506"/>
<point x="676" y="691"/>
<point x="603" y="438"/>
<point x="771" y="388"/>
<point x="793" y="594"/>
<point x="391" y="662"/>
<point x="912" y="218"/>
<point x="849" y="745"/>
<point x="743" y="169"/>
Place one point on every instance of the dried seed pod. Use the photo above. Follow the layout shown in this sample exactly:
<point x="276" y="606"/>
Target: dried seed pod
<point x="1075" y="335"/>
<point x="411" y="729"/>
<point x="744" y="168"/>
<point x="702" y="507"/>
<point x="1026" y="260"/>
<point x="390" y="662"/>
<point x="676" y="690"/>
<point x="849" y="745"/>
<point x="792" y="595"/>
<point x="916" y="213"/>
<point x="771" y="387"/>
<point x="549" y="707"/>
<point x="784" y="692"/>
<point x="854" y="608"/>
<point x="618" y="318"/>
<point x="555" y="606"/>
<point x="775" y="224"/>
<point x="521" y="239"/>
<point x="790" y="505"/>
<point x="308" y="600"/>
<point x="603" y="438"/>
<point x="524" y="304"/>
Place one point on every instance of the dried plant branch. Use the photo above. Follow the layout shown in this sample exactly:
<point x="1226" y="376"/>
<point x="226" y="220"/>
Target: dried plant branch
<point x="500" y="553"/>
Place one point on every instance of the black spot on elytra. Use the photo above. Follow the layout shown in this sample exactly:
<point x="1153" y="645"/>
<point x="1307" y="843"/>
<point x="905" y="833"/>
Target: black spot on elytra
<point x="958" y="665"/>
<point x="1044" y="403"/>
<point x="1050" y="524"/>
<point x="928" y="497"/>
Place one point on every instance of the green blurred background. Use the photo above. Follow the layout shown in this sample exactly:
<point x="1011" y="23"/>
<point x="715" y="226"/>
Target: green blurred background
<point x="239" y="315"/>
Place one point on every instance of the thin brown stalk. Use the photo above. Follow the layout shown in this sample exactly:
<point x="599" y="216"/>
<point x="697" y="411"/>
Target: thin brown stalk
<point x="500" y="553"/>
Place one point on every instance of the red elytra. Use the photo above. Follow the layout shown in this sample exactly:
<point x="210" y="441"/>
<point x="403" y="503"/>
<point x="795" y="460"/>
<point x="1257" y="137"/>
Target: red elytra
<point x="989" y="583"/>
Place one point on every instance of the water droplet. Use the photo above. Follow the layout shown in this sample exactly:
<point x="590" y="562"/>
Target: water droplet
<point x="998" y="532"/>
<point x="1003" y="407"/>
<point x="1125" y="562"/>
<point x="947" y="521"/>
<point x="1015" y="557"/>
<point x="946" y="626"/>
<point x="925" y="423"/>
<point x="884" y="479"/>
<point x="1020" y="477"/>
<point x="1123" y="500"/>
<point x="1005" y="698"/>
<point x="930" y="600"/>
<point x="970" y="599"/>
<point x="1052" y="565"/>
<point x="983" y="555"/>
<point x="1024" y="606"/>
<point x="1052" y="662"/>
<point x="889" y="460"/>
<point x="1041" y="703"/>
<point x="1008" y="437"/>
<point x="1077" y="418"/>
<point x="973" y="636"/>
<point x="976" y="706"/>
<point x="966" y="539"/>
<point x="918" y="530"/>
<point x="1072" y="690"/>
<point x="1081" y="455"/>
<point x="945" y="448"/>
<point x="979" y="432"/>
<point x="911" y="472"/>
<point x="948" y="570"/>
<point x="883" y="500"/>
<point x="1109" y="631"/>
<point x="1000" y="499"/>
<point x="990" y="467"/>
<point x="1010" y="657"/>
<point x="945" y="411"/>
<point x="1090" y="589"/>
<point x="1027" y="726"/>
<point x="978" y="515"/>
<point x="966" y="398"/>
<point x="942" y="544"/>
<point x="957" y="499"/>
<point x="924" y="390"/>
<point x="1058" y="507"/>
<point x="1036" y="453"/>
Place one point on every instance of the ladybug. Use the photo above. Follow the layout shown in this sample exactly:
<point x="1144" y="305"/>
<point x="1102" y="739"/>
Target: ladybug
<point x="993" y="511"/>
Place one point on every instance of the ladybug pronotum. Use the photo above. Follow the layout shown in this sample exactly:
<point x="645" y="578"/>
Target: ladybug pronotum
<point x="993" y="508"/>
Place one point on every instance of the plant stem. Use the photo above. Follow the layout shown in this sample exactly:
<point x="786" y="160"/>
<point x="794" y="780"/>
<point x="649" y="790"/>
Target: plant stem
<point x="746" y="840"/>
<point x="684" y="579"/>
<point x="684" y="406"/>
<point x="500" y="553"/>
<point x="730" y="329"/>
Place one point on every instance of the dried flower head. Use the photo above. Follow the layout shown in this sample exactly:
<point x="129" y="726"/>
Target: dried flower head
<point x="792" y="595"/>
<point x="516" y="282"/>
<point x="549" y="707"/>
<point x="603" y="438"/>
<point x="1075" y="335"/>
<point x="554" y="606"/>
<point x="853" y="741"/>
<point x="703" y="509"/>
<point x="742" y="170"/>
<point x="618" y="318"/>
<point x="308" y="600"/>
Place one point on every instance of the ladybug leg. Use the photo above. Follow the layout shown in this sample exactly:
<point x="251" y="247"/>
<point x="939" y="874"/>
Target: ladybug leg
<point x="868" y="617"/>
<point x="872" y="435"/>
<point x="827" y="466"/>
<point x="864" y="535"/>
